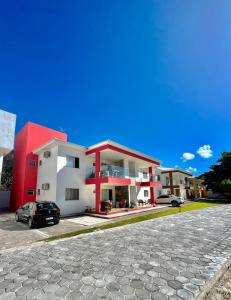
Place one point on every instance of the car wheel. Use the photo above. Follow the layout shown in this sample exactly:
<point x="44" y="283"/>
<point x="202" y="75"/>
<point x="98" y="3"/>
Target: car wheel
<point x="174" y="203"/>
<point x="30" y="223"/>
<point x="56" y="223"/>
<point x="16" y="218"/>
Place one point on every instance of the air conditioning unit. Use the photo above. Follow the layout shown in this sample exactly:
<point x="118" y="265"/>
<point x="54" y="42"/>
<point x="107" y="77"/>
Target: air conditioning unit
<point x="45" y="186"/>
<point x="47" y="154"/>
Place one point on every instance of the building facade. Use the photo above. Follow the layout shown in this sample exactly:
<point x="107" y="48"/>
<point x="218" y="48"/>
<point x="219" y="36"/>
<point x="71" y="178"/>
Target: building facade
<point x="177" y="182"/>
<point x="80" y="178"/>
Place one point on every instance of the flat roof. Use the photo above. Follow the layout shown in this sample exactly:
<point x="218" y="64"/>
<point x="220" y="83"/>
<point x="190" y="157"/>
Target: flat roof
<point x="55" y="142"/>
<point x="166" y="169"/>
<point x="115" y="144"/>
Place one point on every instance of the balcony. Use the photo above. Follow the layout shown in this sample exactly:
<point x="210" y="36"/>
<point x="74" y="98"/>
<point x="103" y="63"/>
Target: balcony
<point x="149" y="180"/>
<point x="109" y="174"/>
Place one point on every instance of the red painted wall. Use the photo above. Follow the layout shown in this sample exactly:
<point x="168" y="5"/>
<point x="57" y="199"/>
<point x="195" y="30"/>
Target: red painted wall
<point x="27" y="140"/>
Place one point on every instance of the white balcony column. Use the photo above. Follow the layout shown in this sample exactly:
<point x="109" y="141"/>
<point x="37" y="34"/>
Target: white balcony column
<point x="126" y="167"/>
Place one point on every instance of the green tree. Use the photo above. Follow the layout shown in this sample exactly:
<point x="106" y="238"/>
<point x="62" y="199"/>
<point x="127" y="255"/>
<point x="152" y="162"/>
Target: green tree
<point x="226" y="186"/>
<point x="7" y="172"/>
<point x="218" y="179"/>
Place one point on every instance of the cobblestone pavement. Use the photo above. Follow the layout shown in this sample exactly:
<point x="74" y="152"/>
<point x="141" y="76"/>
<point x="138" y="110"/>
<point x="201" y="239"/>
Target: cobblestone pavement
<point x="166" y="258"/>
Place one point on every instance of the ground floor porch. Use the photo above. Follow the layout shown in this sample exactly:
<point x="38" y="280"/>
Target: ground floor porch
<point x="115" y="198"/>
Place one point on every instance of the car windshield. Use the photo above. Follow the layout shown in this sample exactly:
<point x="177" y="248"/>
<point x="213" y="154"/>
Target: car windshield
<point x="47" y="205"/>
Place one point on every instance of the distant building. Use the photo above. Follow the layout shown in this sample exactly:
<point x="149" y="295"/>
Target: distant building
<point x="177" y="182"/>
<point x="7" y="131"/>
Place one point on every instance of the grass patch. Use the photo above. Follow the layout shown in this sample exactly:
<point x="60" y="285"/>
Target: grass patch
<point x="132" y="220"/>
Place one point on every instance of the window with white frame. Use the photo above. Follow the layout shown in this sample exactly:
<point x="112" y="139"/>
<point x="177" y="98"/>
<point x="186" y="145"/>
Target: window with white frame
<point x="71" y="194"/>
<point x="146" y="193"/>
<point x="145" y="175"/>
<point x="45" y="186"/>
<point x="72" y="162"/>
<point x="47" y="154"/>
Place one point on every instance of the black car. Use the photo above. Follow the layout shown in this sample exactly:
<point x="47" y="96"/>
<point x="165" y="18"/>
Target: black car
<point x="38" y="213"/>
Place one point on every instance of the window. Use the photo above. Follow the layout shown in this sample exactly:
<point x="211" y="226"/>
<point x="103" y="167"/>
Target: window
<point x="163" y="196"/>
<point x="40" y="162"/>
<point x="167" y="181"/>
<point x="71" y="194"/>
<point x="45" y="186"/>
<point x="32" y="163"/>
<point x="47" y="154"/>
<point x="30" y="192"/>
<point x="72" y="162"/>
<point x="145" y="175"/>
<point x="48" y="205"/>
<point x="146" y="194"/>
<point x="38" y="192"/>
<point x="157" y="178"/>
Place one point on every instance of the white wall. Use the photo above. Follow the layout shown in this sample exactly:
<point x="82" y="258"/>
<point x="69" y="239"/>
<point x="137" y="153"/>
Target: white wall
<point x="4" y="199"/>
<point x="47" y="173"/>
<point x="72" y="178"/>
<point x="140" y="193"/>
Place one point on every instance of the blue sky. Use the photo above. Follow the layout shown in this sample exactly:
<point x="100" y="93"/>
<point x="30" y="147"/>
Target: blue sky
<point x="153" y="75"/>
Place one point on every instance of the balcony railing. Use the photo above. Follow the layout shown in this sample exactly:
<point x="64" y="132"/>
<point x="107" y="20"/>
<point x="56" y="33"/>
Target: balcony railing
<point x="120" y="172"/>
<point x="109" y="171"/>
<point x="148" y="178"/>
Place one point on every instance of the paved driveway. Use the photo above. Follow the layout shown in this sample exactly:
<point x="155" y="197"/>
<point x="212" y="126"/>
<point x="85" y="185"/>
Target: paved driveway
<point x="166" y="258"/>
<point x="13" y="234"/>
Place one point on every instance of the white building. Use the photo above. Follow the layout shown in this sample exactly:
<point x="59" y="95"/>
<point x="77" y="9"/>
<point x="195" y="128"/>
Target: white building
<point x="7" y="131"/>
<point x="79" y="178"/>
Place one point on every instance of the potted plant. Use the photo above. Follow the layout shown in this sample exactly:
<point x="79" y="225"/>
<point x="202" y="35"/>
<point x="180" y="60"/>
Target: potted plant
<point x="122" y="203"/>
<point x="106" y="206"/>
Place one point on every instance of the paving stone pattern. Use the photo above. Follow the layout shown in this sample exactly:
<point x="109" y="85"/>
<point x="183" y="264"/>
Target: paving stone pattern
<point x="169" y="258"/>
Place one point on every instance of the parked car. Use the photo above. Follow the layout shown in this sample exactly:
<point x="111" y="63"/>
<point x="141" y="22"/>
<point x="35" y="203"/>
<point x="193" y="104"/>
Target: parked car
<point x="38" y="213"/>
<point x="174" y="200"/>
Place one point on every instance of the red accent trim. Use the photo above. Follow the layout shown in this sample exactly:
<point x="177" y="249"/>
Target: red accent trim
<point x="148" y="183"/>
<point x="150" y="173"/>
<point x="117" y="149"/>
<point x="97" y="198"/>
<point x="152" y="192"/>
<point x="112" y="180"/>
<point x="152" y="195"/>
<point x="97" y="183"/>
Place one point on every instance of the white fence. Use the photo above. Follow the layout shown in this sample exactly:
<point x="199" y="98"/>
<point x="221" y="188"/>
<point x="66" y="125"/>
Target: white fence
<point x="4" y="200"/>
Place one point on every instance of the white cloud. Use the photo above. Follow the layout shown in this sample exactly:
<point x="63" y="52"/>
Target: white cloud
<point x="205" y="151"/>
<point x="187" y="156"/>
<point x="191" y="170"/>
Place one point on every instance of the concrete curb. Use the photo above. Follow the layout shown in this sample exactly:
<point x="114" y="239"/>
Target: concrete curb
<point x="212" y="282"/>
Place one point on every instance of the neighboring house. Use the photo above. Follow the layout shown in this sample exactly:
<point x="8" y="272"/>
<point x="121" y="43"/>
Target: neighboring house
<point x="7" y="131"/>
<point x="177" y="182"/>
<point x="47" y="167"/>
<point x="200" y="190"/>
